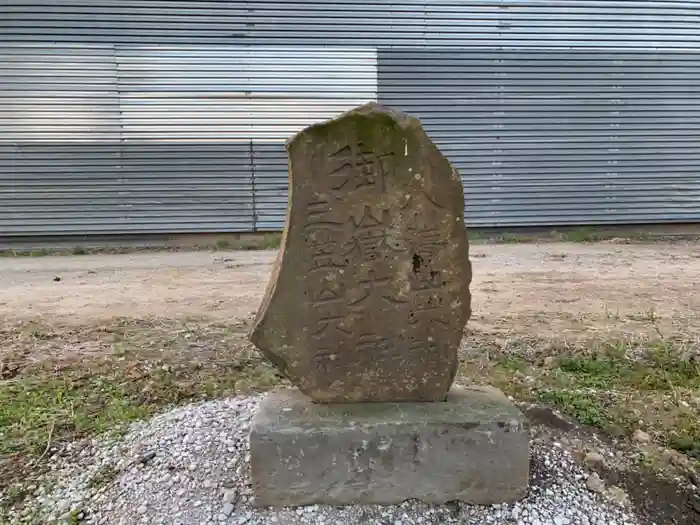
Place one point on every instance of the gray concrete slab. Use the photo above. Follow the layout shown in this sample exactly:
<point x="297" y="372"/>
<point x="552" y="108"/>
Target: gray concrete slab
<point x="474" y="447"/>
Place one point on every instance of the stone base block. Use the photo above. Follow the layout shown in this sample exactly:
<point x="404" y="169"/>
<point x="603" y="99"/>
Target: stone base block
<point x="472" y="447"/>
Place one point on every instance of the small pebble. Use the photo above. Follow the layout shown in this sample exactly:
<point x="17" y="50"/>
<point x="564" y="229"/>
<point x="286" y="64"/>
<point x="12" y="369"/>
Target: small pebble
<point x="148" y="456"/>
<point x="595" y="484"/>
<point x="639" y="436"/>
<point x="593" y="459"/>
<point x="204" y="446"/>
<point x="230" y="496"/>
<point x="618" y="495"/>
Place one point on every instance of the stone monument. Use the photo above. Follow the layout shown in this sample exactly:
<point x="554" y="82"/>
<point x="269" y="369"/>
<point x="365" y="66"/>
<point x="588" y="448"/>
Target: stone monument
<point x="364" y="314"/>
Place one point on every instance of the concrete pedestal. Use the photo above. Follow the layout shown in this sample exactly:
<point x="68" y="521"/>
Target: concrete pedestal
<point x="472" y="447"/>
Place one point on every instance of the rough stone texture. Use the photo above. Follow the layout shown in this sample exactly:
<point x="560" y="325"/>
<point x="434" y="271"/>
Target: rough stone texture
<point x="472" y="448"/>
<point x="370" y="292"/>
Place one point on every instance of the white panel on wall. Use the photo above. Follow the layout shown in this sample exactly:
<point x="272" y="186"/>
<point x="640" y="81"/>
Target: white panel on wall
<point x="58" y="93"/>
<point x="229" y="93"/>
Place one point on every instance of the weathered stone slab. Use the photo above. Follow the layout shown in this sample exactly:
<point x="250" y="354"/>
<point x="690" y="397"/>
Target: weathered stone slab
<point x="472" y="448"/>
<point x="370" y="292"/>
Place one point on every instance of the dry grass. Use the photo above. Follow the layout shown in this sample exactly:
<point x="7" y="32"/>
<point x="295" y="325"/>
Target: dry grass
<point x="59" y="383"/>
<point x="617" y="384"/>
<point x="262" y="241"/>
<point x="271" y="240"/>
<point x="62" y="383"/>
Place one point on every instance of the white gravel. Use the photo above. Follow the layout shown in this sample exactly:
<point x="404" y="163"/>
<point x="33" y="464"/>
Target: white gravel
<point x="189" y="466"/>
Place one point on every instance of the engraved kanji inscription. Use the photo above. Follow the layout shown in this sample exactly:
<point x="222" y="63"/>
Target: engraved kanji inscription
<point x="325" y="360"/>
<point x="323" y="236"/>
<point x="358" y="166"/>
<point x="371" y="234"/>
<point x="370" y="292"/>
<point x="328" y="312"/>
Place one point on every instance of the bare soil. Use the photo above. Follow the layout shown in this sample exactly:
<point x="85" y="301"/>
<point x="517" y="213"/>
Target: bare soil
<point x="541" y="289"/>
<point x="107" y="338"/>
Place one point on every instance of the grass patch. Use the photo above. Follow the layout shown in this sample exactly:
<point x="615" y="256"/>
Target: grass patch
<point x="583" y="234"/>
<point x="272" y="241"/>
<point x="615" y="385"/>
<point x="655" y="367"/>
<point x="132" y="369"/>
<point x="267" y="241"/>
<point x="74" y="381"/>
<point x="578" y="404"/>
<point x="512" y="238"/>
<point x="579" y="235"/>
<point x="72" y="517"/>
<point x="36" y="410"/>
<point x="42" y="252"/>
<point x="13" y="494"/>
<point x="252" y="241"/>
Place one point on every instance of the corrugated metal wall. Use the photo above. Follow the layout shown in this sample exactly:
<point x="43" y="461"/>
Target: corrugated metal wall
<point x="118" y="138"/>
<point x="145" y="116"/>
<point x="572" y="136"/>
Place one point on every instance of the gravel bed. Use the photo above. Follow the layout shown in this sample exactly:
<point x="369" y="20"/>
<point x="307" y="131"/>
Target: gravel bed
<point x="189" y="466"/>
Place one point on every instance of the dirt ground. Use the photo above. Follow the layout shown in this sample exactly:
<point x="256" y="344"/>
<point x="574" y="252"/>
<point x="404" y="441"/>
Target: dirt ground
<point x="547" y="289"/>
<point x="91" y="341"/>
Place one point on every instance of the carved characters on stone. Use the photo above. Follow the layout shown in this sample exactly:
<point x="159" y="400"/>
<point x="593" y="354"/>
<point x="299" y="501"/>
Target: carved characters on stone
<point x="371" y="288"/>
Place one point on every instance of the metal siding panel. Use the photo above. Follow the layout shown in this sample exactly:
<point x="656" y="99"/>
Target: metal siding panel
<point x="66" y="94"/>
<point x="125" y="188"/>
<point x="176" y="123"/>
<point x="557" y="111"/>
<point x="238" y="93"/>
<point x="535" y="23"/>
<point x="254" y="22"/>
<point x="536" y="146"/>
<point x="271" y="185"/>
